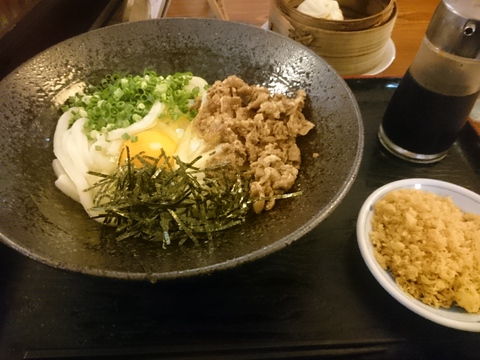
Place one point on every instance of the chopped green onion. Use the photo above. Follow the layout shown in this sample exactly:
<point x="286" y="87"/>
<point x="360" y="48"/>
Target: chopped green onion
<point x="130" y="98"/>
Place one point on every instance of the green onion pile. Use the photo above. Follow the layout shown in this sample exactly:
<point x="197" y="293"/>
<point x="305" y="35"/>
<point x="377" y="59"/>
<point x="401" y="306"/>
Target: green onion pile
<point x="118" y="102"/>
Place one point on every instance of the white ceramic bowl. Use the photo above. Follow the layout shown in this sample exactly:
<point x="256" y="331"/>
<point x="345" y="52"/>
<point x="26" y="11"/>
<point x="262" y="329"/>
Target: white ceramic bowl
<point x="465" y="199"/>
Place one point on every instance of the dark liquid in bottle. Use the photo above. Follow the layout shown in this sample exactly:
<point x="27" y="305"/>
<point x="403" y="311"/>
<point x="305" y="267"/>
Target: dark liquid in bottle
<point x="423" y="121"/>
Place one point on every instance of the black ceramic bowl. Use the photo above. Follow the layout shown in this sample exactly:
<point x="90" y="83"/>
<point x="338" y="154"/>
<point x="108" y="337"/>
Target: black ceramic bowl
<point x="41" y="222"/>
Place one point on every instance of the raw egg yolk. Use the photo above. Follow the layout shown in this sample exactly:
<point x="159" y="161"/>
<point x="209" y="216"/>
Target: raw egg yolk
<point x="149" y="142"/>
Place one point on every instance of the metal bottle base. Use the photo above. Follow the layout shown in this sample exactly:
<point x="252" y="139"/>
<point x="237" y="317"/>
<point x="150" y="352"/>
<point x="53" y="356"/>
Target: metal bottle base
<point x="406" y="154"/>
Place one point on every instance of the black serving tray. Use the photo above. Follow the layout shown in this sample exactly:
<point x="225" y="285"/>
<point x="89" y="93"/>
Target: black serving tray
<point x="314" y="299"/>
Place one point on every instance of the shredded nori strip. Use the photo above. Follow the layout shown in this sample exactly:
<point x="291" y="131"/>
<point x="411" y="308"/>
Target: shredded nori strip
<point x="156" y="200"/>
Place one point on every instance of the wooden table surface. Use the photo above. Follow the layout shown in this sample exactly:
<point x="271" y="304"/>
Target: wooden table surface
<point x="411" y="24"/>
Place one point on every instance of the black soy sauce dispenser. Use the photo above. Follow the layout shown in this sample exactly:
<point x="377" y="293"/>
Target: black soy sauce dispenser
<point x="433" y="100"/>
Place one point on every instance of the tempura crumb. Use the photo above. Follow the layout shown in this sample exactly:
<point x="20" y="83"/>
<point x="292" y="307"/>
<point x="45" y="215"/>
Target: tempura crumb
<point x="430" y="246"/>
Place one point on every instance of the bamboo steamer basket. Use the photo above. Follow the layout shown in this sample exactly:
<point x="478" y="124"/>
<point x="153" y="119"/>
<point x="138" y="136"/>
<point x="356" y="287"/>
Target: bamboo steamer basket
<point x="349" y="52"/>
<point x="358" y="14"/>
